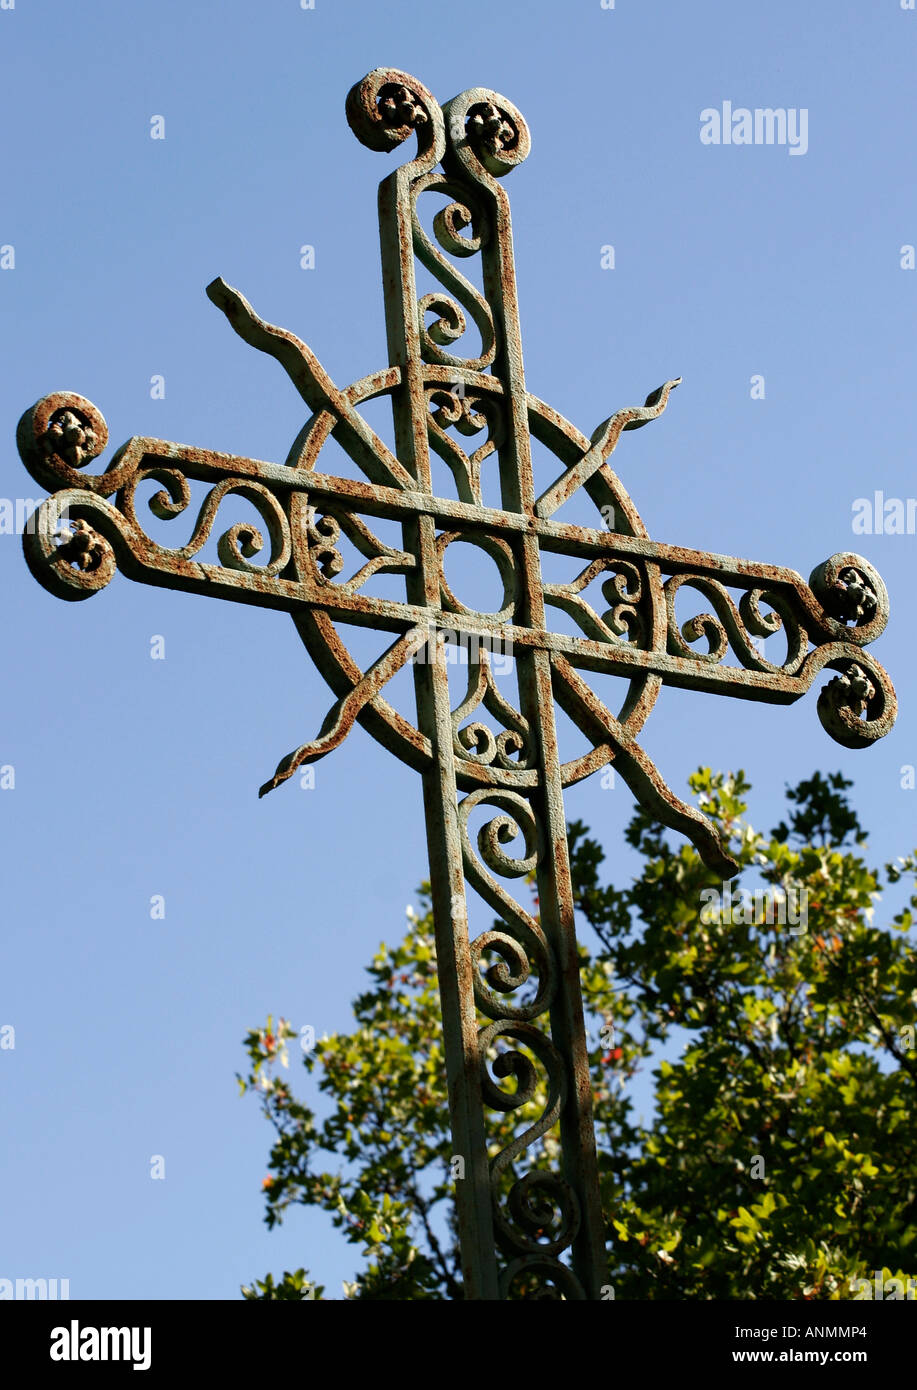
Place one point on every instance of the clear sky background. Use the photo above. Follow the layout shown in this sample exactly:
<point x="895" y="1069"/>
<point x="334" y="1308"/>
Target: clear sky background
<point x="136" y="777"/>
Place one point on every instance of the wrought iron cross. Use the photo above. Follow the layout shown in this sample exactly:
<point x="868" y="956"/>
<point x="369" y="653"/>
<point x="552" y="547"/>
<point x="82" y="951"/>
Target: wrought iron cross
<point x="548" y="1224"/>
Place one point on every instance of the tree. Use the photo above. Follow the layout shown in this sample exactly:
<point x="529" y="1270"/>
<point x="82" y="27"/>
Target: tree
<point x="782" y="1158"/>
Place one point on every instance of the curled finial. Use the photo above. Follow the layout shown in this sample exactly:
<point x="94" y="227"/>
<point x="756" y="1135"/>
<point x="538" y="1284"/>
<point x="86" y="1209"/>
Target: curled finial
<point x="58" y="436"/>
<point x="67" y="555"/>
<point x="388" y="105"/>
<point x="63" y="432"/>
<point x="858" y="706"/>
<point x="851" y="591"/>
<point x="486" y="130"/>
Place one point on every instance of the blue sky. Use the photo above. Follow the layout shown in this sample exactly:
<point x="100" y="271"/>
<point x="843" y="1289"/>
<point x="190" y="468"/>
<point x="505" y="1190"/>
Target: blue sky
<point x="137" y="777"/>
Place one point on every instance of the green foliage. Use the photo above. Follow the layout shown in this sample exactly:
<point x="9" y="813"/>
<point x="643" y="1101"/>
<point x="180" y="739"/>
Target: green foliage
<point x="781" y="1161"/>
<point x="824" y="813"/>
<point x="293" y="1287"/>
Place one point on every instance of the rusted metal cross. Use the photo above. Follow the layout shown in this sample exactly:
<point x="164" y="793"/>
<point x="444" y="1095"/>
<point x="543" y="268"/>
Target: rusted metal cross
<point x="545" y="1225"/>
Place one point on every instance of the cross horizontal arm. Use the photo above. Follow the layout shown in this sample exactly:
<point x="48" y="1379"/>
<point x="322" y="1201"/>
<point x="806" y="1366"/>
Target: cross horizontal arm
<point x="140" y="455"/>
<point x="297" y="578"/>
<point x="862" y="687"/>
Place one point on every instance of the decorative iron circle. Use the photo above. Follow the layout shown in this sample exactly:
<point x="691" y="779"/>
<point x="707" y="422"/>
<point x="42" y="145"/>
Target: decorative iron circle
<point x="501" y="554"/>
<point x="333" y="659"/>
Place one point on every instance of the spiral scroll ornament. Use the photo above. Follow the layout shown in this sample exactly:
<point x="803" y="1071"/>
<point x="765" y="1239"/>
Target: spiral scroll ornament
<point x="511" y="749"/>
<point x="59" y="436"/>
<point x="853" y="597"/>
<point x="518" y="939"/>
<point x="540" y="1214"/>
<point x="734" y="626"/>
<point x="536" y="1214"/>
<point x="858" y="706"/>
<point x="553" y="1281"/>
<point x="388" y="106"/>
<point x="458" y="295"/>
<point x="625" y="587"/>
<point x="469" y="414"/>
<point x="487" y="135"/>
<point x="323" y="532"/>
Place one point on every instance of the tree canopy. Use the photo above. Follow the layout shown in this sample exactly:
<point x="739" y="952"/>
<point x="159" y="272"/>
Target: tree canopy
<point x="781" y="1160"/>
